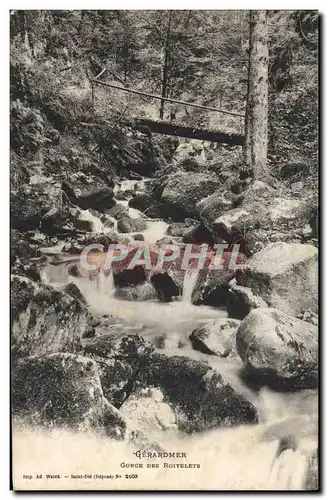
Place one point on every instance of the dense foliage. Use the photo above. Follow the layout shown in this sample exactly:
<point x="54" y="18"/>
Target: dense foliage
<point x="197" y="56"/>
<point x="293" y="109"/>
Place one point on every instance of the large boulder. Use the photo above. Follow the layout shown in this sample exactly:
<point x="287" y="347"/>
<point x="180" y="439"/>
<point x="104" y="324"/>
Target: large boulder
<point x="199" y="396"/>
<point x="73" y="290"/>
<point x="205" y="286"/>
<point x="241" y="300"/>
<point x="199" y="234"/>
<point x="168" y="283"/>
<point x="211" y="287"/>
<point x="101" y="198"/>
<point x="57" y="222"/>
<point x="145" y="202"/>
<point x="214" y="205"/>
<point x="104" y="346"/>
<point x="263" y="217"/>
<point x="44" y="320"/>
<point x="63" y="390"/>
<point x="31" y="202"/>
<point x="285" y="275"/>
<point x="217" y="337"/>
<point x="117" y="377"/>
<point x="118" y="211"/>
<point x="183" y="190"/>
<point x="156" y="185"/>
<point x="122" y="360"/>
<point x="279" y="348"/>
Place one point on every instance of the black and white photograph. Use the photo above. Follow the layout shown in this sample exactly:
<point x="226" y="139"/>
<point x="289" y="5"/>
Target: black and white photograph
<point x="164" y="250"/>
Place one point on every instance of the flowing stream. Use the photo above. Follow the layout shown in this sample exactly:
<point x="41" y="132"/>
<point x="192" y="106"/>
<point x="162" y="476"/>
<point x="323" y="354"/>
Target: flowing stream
<point x="248" y="460"/>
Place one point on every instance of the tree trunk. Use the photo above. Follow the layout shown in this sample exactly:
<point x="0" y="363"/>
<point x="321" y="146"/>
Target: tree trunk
<point x="256" y="130"/>
<point x="165" y="77"/>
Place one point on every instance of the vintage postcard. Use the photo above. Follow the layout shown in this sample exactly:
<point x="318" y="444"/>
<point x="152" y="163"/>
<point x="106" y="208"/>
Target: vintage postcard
<point x="164" y="250"/>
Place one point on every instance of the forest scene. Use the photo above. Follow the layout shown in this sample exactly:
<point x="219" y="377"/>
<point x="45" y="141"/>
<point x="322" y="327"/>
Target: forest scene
<point x="177" y="136"/>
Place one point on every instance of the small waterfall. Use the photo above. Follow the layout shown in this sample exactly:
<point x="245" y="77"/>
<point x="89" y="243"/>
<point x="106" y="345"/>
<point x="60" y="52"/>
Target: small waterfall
<point x="98" y="290"/>
<point x="105" y="284"/>
<point x="189" y="283"/>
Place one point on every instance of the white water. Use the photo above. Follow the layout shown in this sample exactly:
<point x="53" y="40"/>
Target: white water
<point x="155" y="231"/>
<point x="231" y="459"/>
<point x="189" y="283"/>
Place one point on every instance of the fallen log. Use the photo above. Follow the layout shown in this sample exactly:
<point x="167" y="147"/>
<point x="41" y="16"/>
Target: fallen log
<point x="146" y="126"/>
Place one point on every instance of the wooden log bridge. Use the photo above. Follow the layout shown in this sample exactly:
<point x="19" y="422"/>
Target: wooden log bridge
<point x="148" y="126"/>
<point x="145" y="126"/>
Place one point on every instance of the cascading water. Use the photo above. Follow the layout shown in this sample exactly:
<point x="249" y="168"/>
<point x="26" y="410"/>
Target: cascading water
<point x="247" y="454"/>
<point x="155" y="228"/>
<point x="189" y="282"/>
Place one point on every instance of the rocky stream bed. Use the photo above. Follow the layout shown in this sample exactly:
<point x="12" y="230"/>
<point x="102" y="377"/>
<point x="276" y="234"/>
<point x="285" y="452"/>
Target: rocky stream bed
<point x="224" y="362"/>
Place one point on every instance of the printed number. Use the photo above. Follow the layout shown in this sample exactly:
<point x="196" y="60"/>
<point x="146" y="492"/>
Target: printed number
<point x="131" y="476"/>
